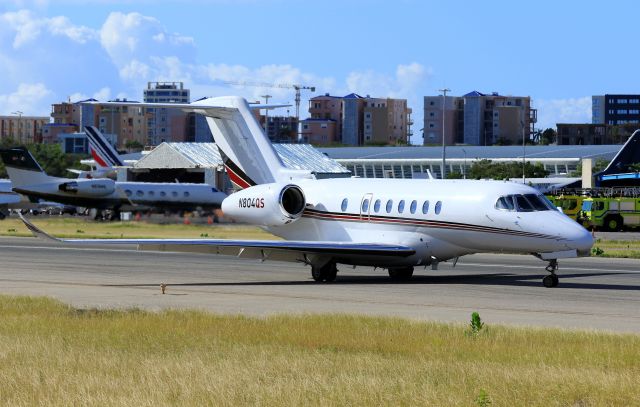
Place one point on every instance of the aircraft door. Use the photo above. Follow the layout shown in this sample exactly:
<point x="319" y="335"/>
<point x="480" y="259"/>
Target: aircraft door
<point x="365" y="206"/>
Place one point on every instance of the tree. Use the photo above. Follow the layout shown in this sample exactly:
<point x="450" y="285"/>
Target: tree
<point x="486" y="169"/>
<point x="548" y="136"/>
<point x="133" y="145"/>
<point x="50" y="156"/>
<point x="454" y="175"/>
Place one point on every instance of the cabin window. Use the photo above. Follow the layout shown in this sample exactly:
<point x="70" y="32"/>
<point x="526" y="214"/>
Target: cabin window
<point x="174" y="194"/>
<point x="163" y="194"/>
<point x="412" y="208"/>
<point x="425" y="207"/>
<point x="128" y="192"/>
<point x="389" y="205"/>
<point x="401" y="206"/>
<point x="505" y="203"/>
<point x="151" y="193"/>
<point x="438" y="207"/>
<point x="345" y="202"/>
<point x="376" y="206"/>
<point x="365" y="206"/>
<point x="186" y="194"/>
<point x="139" y="193"/>
<point x="523" y="204"/>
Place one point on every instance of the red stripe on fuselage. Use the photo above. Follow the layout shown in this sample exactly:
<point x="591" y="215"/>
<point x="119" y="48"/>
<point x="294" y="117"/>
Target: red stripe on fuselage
<point x="417" y="222"/>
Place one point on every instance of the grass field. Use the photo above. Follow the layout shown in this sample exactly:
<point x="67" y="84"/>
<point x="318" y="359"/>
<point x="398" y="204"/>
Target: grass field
<point x="52" y="354"/>
<point x="78" y="227"/>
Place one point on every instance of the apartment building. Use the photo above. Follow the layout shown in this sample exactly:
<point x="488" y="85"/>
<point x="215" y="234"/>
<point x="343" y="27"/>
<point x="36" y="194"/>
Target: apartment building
<point x="356" y="120"/>
<point x="165" y="124"/>
<point x="478" y="119"/>
<point x="594" y="133"/>
<point x="618" y="109"/>
<point x="22" y="129"/>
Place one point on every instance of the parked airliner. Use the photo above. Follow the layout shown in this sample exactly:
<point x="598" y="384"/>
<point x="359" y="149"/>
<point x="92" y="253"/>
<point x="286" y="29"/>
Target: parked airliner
<point x="29" y="179"/>
<point x="395" y="224"/>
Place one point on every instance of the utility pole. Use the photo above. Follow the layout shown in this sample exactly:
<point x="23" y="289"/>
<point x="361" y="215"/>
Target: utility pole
<point x="266" y="114"/>
<point x="444" y="152"/>
<point x="19" y="113"/>
<point x="523" y="152"/>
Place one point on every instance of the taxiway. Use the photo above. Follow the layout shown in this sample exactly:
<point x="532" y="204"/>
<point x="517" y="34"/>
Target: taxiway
<point x="594" y="293"/>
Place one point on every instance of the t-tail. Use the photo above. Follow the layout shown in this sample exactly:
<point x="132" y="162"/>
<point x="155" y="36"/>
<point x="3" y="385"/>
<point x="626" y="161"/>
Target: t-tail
<point x="248" y="155"/>
<point x="22" y="168"/>
<point x="101" y="150"/>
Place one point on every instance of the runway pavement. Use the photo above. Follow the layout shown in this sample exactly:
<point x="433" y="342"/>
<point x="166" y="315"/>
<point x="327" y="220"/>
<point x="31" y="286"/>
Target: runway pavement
<point x="594" y="293"/>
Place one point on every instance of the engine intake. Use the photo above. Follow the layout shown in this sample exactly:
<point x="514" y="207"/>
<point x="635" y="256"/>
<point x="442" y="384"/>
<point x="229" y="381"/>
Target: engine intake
<point x="266" y="204"/>
<point x="91" y="187"/>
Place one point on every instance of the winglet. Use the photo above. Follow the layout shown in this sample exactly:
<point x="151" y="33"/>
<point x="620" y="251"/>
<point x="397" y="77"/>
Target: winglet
<point x="39" y="233"/>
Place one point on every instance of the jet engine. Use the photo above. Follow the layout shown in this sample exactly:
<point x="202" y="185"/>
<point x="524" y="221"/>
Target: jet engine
<point x="266" y="204"/>
<point x="89" y="187"/>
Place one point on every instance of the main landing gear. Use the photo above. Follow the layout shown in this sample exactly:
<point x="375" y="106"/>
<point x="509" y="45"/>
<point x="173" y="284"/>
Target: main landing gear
<point x="326" y="273"/>
<point x="552" y="279"/>
<point x="401" y="273"/>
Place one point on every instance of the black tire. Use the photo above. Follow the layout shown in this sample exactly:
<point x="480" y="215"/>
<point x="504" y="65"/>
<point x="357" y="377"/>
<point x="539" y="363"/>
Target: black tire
<point x="326" y="273"/>
<point x="401" y="273"/>
<point x="550" y="281"/>
<point x="613" y="223"/>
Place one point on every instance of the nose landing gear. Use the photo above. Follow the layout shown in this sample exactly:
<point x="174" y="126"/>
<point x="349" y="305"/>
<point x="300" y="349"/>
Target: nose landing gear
<point x="552" y="279"/>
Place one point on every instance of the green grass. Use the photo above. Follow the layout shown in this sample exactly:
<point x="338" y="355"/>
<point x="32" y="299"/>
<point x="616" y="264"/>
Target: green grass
<point x="617" y="248"/>
<point x="53" y="354"/>
<point x="83" y="228"/>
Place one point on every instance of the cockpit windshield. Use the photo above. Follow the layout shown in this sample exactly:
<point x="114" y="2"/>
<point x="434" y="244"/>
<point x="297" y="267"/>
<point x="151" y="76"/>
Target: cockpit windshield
<point x="524" y="203"/>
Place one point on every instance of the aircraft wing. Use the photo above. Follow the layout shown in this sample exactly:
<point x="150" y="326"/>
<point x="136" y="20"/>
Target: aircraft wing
<point x="283" y="250"/>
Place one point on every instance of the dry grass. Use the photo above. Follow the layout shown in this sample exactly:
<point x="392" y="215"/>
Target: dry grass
<point x="78" y="227"/>
<point x="52" y="354"/>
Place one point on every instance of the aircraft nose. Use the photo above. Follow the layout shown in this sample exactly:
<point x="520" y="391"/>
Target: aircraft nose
<point x="581" y="240"/>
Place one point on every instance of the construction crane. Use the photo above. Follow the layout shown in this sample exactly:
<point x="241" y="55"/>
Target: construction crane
<point x="298" y="88"/>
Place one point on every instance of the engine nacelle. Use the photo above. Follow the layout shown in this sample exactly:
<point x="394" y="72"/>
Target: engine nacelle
<point x="266" y="204"/>
<point x="90" y="187"/>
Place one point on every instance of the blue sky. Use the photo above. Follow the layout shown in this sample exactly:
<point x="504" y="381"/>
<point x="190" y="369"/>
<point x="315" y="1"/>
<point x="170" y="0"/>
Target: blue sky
<point x="558" y="52"/>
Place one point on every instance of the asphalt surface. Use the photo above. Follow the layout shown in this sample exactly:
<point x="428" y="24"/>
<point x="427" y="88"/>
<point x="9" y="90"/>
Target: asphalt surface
<point x="594" y="293"/>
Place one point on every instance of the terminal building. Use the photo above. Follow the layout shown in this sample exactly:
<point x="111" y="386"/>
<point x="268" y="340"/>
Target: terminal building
<point x="413" y="162"/>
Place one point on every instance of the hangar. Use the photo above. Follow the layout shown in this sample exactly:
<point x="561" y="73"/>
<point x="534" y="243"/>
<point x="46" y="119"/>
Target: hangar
<point x="202" y="163"/>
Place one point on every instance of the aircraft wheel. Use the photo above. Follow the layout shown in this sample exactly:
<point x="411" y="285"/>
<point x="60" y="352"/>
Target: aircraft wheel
<point x="401" y="273"/>
<point x="550" y="281"/>
<point x="2" y="215"/>
<point x="326" y="273"/>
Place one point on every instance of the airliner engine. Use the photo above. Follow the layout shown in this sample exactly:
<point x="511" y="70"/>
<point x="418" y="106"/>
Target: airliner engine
<point x="90" y="187"/>
<point x="266" y="204"/>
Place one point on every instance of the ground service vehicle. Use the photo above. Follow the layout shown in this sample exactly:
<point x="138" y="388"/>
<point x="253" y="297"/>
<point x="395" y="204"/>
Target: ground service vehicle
<point x="571" y="204"/>
<point x="610" y="213"/>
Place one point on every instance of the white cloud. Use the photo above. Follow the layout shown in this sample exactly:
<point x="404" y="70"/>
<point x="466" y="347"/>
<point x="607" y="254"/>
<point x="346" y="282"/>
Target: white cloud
<point x="134" y="36"/>
<point x="27" y="28"/>
<point x="572" y="110"/>
<point x="30" y="98"/>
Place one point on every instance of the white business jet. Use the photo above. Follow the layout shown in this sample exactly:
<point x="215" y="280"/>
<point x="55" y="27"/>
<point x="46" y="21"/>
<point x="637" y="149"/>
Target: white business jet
<point x="395" y="224"/>
<point x="29" y="179"/>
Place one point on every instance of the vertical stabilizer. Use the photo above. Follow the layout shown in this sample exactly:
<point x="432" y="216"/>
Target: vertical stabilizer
<point x="22" y="168"/>
<point x="629" y="154"/>
<point x="101" y="150"/>
<point x="249" y="157"/>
